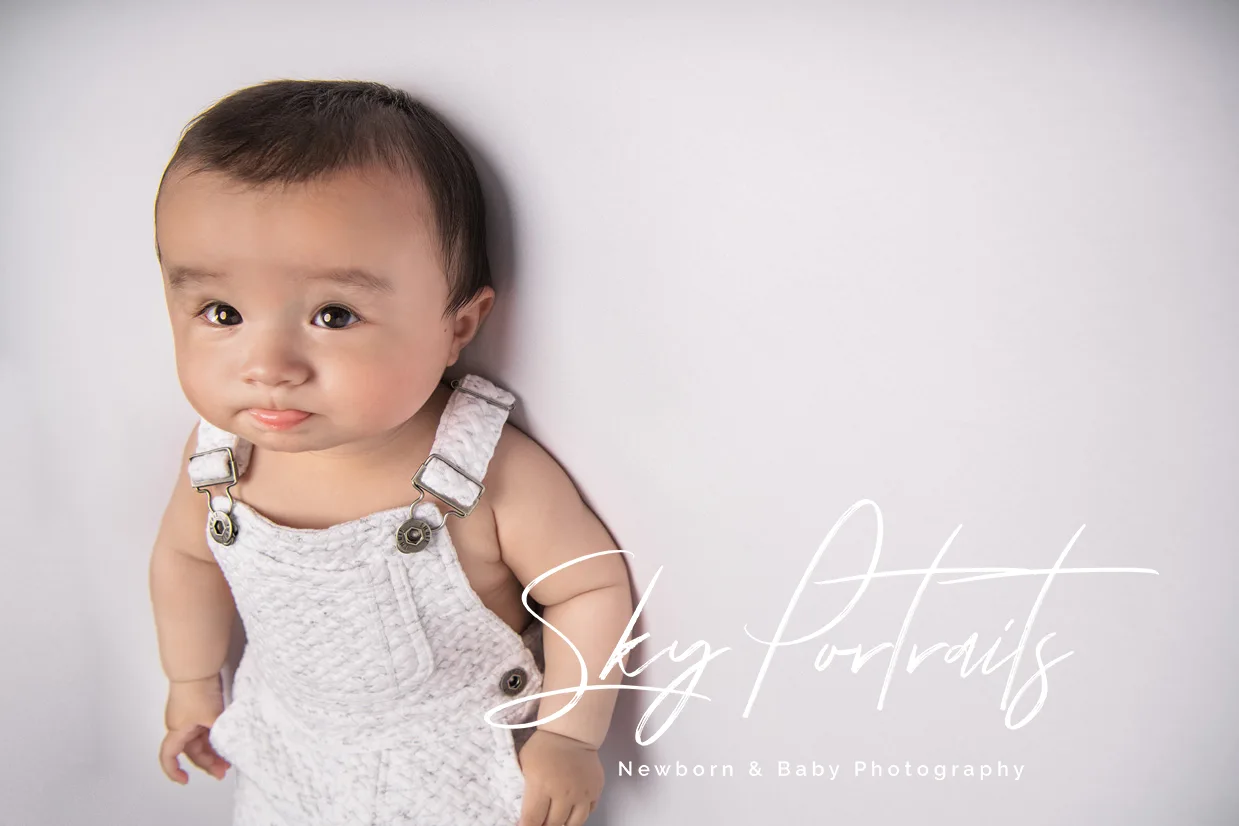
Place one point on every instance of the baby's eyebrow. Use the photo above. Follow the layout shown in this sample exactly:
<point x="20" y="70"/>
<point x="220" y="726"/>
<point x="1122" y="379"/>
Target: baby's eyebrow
<point x="353" y="277"/>
<point x="181" y="277"/>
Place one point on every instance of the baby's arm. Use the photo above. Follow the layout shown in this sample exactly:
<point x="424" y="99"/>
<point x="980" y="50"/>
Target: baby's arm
<point x="192" y="604"/>
<point x="541" y="523"/>
<point x="193" y="620"/>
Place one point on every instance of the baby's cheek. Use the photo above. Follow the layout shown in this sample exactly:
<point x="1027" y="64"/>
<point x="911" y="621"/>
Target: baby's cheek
<point x="202" y="389"/>
<point x="384" y="394"/>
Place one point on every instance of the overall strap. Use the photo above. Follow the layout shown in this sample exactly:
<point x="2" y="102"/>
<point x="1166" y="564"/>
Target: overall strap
<point x="210" y="463"/>
<point x="468" y="431"/>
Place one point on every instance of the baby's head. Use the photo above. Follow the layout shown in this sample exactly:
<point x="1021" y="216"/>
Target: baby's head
<point x="323" y="248"/>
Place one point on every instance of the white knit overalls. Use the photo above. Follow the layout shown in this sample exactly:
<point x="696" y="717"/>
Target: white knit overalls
<point x="370" y="663"/>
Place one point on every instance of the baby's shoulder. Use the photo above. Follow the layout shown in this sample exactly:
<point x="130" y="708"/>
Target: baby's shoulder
<point x="182" y="527"/>
<point x="543" y="523"/>
<point x="523" y="475"/>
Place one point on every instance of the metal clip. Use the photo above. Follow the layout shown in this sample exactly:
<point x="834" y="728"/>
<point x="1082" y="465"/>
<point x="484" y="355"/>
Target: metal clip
<point x="414" y="534"/>
<point x="220" y="522"/>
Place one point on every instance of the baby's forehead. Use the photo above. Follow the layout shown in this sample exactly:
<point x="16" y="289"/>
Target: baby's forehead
<point x="381" y="187"/>
<point x="355" y="211"/>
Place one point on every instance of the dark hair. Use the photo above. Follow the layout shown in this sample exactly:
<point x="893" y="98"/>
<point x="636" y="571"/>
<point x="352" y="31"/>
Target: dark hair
<point x="293" y="131"/>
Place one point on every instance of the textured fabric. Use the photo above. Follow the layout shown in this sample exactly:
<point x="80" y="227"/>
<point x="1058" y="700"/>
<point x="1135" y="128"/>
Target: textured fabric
<point x="361" y="695"/>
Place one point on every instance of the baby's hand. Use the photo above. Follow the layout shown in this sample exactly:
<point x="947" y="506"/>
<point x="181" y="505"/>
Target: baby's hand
<point x="563" y="780"/>
<point x="192" y="708"/>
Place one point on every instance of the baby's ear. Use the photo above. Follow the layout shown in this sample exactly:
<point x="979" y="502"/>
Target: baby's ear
<point x="469" y="319"/>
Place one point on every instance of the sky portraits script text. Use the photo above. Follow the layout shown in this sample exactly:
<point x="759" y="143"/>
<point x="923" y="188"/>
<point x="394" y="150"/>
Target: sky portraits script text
<point x="965" y="652"/>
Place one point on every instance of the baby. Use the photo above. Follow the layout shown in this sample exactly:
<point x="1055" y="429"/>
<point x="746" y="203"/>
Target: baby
<point x="323" y="250"/>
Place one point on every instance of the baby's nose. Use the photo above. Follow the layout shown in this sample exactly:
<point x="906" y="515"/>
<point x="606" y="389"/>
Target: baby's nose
<point x="274" y="362"/>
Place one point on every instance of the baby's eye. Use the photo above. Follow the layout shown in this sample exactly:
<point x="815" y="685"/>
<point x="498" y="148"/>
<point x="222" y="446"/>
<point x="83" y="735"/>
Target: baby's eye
<point x="220" y="314"/>
<point x="335" y="317"/>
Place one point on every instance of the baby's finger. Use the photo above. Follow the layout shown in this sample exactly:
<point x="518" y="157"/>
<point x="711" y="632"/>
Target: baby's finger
<point x="561" y="807"/>
<point x="579" y="813"/>
<point x="172" y="745"/>
<point x="534" y="808"/>
<point x="200" y="752"/>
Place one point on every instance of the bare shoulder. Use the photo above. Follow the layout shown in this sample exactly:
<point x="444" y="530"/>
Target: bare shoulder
<point x="541" y="521"/>
<point x="183" y="528"/>
<point x="520" y="463"/>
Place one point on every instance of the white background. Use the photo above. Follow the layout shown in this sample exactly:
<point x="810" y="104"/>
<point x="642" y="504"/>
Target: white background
<point x="973" y="261"/>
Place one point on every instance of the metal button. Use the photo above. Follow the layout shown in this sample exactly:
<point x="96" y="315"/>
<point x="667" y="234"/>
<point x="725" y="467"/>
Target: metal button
<point x="513" y="681"/>
<point x="413" y="535"/>
<point x="222" y="528"/>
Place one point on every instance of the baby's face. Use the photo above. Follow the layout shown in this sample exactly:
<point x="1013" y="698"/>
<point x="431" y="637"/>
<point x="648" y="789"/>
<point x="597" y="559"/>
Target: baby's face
<point x="324" y="298"/>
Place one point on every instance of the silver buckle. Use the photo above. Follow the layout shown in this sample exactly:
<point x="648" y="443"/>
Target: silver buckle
<point x="460" y="509"/>
<point x="231" y="478"/>
<point x="220" y="524"/>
